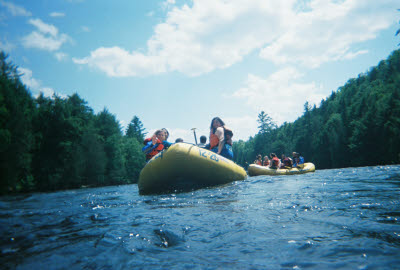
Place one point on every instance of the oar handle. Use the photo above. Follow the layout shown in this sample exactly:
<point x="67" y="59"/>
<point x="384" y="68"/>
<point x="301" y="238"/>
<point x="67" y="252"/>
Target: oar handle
<point x="194" y="132"/>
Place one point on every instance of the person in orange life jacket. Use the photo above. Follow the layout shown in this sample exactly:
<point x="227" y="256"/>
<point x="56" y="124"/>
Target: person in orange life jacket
<point x="154" y="145"/>
<point x="258" y="161"/>
<point x="286" y="162"/>
<point x="165" y="142"/>
<point x="266" y="161"/>
<point x="275" y="162"/>
<point x="298" y="160"/>
<point x="221" y="138"/>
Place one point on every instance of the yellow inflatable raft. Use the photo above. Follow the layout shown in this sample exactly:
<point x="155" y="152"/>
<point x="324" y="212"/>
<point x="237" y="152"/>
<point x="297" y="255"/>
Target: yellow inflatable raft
<point x="254" y="170"/>
<point x="184" y="167"/>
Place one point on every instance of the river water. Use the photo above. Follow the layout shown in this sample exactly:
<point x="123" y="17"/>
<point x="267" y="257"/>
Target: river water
<point x="331" y="219"/>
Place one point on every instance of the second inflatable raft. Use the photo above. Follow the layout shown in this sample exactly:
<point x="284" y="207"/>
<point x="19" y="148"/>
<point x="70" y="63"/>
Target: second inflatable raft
<point x="254" y="170"/>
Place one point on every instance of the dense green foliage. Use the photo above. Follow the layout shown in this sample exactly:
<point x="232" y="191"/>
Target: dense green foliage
<point x="58" y="143"/>
<point x="358" y="125"/>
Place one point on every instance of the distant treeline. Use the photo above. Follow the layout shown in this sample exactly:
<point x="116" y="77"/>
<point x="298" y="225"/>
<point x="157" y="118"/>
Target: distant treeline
<point x="59" y="143"/>
<point x="358" y="125"/>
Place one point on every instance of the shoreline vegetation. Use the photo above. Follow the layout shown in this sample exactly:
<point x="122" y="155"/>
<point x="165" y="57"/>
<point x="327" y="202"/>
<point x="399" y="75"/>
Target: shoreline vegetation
<point x="55" y="143"/>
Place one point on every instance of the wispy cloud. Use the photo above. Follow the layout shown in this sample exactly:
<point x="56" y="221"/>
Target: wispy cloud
<point x="14" y="9"/>
<point x="28" y="79"/>
<point x="280" y="94"/>
<point x="328" y="31"/>
<point x="6" y="46"/>
<point x="60" y="56"/>
<point x="85" y="29"/>
<point x="35" y="85"/>
<point x="168" y="3"/>
<point x="211" y="35"/>
<point x="57" y="14"/>
<point x="47" y="37"/>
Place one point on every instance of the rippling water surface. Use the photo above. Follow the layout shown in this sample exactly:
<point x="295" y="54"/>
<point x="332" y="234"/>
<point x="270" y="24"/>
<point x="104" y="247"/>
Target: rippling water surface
<point x="330" y="219"/>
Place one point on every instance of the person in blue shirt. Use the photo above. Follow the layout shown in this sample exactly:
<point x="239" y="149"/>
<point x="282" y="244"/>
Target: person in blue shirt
<point x="298" y="160"/>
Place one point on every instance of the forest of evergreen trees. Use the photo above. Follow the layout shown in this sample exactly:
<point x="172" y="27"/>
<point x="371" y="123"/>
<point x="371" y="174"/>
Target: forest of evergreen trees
<point x="59" y="143"/>
<point x="358" y="125"/>
<point x="52" y="143"/>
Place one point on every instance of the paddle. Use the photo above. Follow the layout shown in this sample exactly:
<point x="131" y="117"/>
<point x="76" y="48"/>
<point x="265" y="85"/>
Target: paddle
<point x="194" y="132"/>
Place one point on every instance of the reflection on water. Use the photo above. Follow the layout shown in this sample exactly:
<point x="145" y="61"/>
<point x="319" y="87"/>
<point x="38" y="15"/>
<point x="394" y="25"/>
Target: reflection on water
<point x="344" y="218"/>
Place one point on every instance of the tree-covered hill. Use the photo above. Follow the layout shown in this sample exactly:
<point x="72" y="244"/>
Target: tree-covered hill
<point x="357" y="125"/>
<point x="58" y="143"/>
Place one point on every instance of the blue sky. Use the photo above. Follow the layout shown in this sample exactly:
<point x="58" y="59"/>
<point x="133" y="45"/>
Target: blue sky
<point x="177" y="64"/>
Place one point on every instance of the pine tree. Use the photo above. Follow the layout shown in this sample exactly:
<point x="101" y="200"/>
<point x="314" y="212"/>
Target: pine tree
<point x="135" y="129"/>
<point x="266" y="123"/>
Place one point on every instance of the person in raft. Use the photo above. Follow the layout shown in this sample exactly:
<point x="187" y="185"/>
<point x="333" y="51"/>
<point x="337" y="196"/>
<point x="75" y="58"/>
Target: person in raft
<point x="298" y="160"/>
<point x="203" y="140"/>
<point x="286" y="162"/>
<point x="154" y="144"/>
<point x="275" y="162"/>
<point x="266" y="161"/>
<point x="221" y="138"/>
<point x="166" y="143"/>
<point x="258" y="160"/>
<point x="178" y="140"/>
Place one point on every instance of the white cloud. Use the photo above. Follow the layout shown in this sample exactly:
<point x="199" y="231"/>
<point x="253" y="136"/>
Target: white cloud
<point x="211" y="35"/>
<point x="46" y="37"/>
<point x="243" y="127"/>
<point x="328" y="31"/>
<point x="35" y="85"/>
<point x="44" y="28"/>
<point x="168" y="3"/>
<point x="85" y="29"/>
<point x="280" y="95"/>
<point x="197" y="39"/>
<point x="49" y="92"/>
<point x="28" y="79"/>
<point x="116" y="62"/>
<point x="57" y="14"/>
<point x="60" y="56"/>
<point x="6" y="46"/>
<point x="15" y="10"/>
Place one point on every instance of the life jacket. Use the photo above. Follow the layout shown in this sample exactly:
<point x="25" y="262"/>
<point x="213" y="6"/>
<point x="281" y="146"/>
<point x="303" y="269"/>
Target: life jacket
<point x="274" y="162"/>
<point x="214" y="140"/>
<point x="265" y="163"/>
<point x="258" y="162"/>
<point x="287" y="162"/>
<point x="159" y="147"/>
